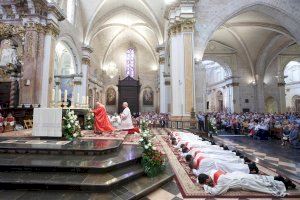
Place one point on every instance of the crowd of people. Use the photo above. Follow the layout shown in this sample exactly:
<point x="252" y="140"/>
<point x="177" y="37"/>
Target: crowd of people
<point x="260" y="126"/>
<point x="154" y="119"/>
<point x="219" y="169"/>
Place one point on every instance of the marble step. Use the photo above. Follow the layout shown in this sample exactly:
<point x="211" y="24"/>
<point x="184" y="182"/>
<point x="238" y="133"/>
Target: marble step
<point x="69" y="180"/>
<point x="127" y="155"/>
<point x="54" y="146"/>
<point x="134" y="189"/>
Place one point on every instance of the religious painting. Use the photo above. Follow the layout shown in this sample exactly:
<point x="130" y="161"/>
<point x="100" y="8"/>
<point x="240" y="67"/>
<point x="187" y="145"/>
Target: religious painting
<point x="111" y="96"/>
<point x="148" y="96"/>
<point x="67" y="84"/>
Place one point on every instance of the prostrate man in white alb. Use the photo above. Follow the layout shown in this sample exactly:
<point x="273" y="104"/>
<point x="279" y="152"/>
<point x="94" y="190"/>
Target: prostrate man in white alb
<point x="218" y="182"/>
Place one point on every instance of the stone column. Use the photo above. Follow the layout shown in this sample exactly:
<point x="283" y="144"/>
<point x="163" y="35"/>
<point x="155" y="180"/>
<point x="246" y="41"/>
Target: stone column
<point x="28" y="81"/>
<point x="260" y="96"/>
<point x="85" y="64"/>
<point x="76" y="90"/>
<point x="52" y="32"/>
<point x="200" y="86"/>
<point x="236" y="97"/>
<point x="282" y="102"/>
<point x="163" y="107"/>
<point x="182" y="68"/>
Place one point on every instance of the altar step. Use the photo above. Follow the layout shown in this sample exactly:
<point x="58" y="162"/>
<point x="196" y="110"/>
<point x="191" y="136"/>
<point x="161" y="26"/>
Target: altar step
<point x="69" y="180"/>
<point x="55" y="147"/>
<point x="127" y="155"/>
<point x="134" y="189"/>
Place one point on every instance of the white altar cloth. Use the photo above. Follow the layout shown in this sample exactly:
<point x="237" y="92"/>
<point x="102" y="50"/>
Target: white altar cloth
<point x="47" y="122"/>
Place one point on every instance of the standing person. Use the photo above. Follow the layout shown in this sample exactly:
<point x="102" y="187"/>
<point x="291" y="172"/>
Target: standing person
<point x="126" y="120"/>
<point x="101" y="121"/>
<point x="201" y="120"/>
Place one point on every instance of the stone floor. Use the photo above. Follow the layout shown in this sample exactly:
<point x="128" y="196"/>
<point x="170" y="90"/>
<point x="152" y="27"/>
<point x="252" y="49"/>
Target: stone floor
<point x="283" y="159"/>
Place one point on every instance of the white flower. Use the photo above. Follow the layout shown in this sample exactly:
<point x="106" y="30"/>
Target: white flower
<point x="75" y="135"/>
<point x="89" y="118"/>
<point x="68" y="126"/>
<point x="154" y="148"/>
<point x="141" y="140"/>
<point x="146" y="147"/>
<point x="89" y="127"/>
<point x="72" y="121"/>
<point x="75" y="117"/>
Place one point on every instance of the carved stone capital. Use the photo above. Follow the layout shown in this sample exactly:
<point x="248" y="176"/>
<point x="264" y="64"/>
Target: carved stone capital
<point x="186" y="25"/>
<point x="86" y="61"/>
<point x="161" y="60"/>
<point x="52" y="30"/>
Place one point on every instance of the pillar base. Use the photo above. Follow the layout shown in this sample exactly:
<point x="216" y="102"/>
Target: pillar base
<point x="181" y="122"/>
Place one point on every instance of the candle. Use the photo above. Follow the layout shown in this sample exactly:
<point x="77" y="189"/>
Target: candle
<point x="87" y="100"/>
<point x="66" y="96"/>
<point x="53" y="95"/>
<point x="59" y="95"/>
<point x="83" y="100"/>
<point x="78" y="98"/>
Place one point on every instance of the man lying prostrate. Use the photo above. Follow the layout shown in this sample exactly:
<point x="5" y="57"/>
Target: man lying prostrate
<point x="194" y="143"/>
<point x="204" y="164"/>
<point x="211" y="149"/>
<point x="218" y="182"/>
<point x="227" y="158"/>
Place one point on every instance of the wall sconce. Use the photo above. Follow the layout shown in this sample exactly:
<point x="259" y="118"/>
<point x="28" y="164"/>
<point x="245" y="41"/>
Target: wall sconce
<point x="27" y="82"/>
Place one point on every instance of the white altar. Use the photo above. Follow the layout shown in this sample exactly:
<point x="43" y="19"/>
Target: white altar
<point x="47" y="122"/>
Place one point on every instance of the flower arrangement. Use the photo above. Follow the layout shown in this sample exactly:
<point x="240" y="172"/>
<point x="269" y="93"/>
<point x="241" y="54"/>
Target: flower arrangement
<point x="89" y="121"/>
<point x="212" y="125"/>
<point x="71" y="127"/>
<point x="153" y="161"/>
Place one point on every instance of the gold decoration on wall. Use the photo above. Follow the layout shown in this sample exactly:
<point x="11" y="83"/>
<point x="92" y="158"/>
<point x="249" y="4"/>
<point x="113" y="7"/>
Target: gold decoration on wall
<point x="182" y="26"/>
<point x="161" y="60"/>
<point x="52" y="29"/>
<point x="8" y="30"/>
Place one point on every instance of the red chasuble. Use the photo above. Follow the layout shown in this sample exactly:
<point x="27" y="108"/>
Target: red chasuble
<point x="101" y="122"/>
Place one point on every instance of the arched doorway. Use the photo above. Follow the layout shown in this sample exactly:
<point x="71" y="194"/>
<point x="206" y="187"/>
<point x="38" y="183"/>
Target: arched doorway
<point x="220" y="104"/>
<point x="292" y="85"/>
<point x="64" y="70"/>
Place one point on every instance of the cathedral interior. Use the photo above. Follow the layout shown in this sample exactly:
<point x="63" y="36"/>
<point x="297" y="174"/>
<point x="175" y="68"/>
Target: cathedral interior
<point x="173" y="61"/>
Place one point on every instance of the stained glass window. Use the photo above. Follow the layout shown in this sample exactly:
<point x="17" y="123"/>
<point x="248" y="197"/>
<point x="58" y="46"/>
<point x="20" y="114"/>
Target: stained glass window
<point x="130" y="63"/>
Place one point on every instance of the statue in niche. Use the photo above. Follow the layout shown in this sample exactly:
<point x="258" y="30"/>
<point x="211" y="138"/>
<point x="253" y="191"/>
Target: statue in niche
<point x="8" y="57"/>
<point x="148" y="96"/>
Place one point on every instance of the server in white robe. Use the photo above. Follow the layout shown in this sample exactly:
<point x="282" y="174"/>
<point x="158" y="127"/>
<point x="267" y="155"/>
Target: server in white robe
<point x="218" y="182"/>
<point x="126" y="120"/>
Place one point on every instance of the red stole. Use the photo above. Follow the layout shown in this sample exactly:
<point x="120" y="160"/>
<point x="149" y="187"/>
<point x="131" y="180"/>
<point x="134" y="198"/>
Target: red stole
<point x="198" y="161"/>
<point x="10" y="119"/>
<point x="217" y="175"/>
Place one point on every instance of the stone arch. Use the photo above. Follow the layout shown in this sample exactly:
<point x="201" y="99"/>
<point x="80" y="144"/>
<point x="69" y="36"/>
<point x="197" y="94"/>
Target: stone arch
<point x="70" y="43"/>
<point x="218" y="59"/>
<point x="271" y="9"/>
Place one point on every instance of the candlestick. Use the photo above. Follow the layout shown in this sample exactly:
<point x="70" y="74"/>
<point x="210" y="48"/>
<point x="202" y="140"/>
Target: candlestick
<point x="66" y="96"/>
<point x="53" y="95"/>
<point x="83" y="100"/>
<point x="59" y="95"/>
<point x="87" y="101"/>
<point x="78" y="98"/>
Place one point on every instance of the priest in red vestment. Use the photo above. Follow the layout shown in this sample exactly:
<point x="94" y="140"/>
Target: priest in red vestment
<point x="101" y="121"/>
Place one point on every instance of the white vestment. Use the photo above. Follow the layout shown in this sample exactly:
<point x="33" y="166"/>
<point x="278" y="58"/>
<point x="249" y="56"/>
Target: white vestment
<point x="208" y="164"/>
<point x="242" y="181"/>
<point x="126" y="122"/>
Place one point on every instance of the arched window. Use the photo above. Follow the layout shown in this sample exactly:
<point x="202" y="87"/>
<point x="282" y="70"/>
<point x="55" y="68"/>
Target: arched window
<point x="71" y="11"/>
<point x="130" y="63"/>
<point x="64" y="60"/>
